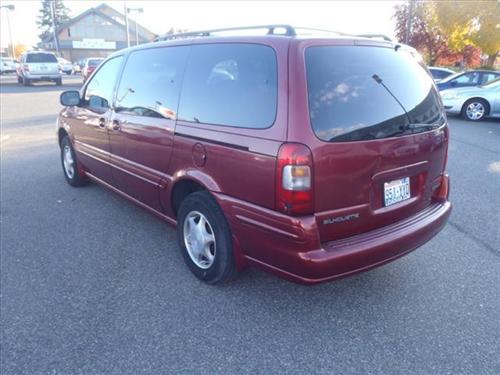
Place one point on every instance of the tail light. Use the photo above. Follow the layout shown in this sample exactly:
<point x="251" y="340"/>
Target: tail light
<point x="26" y="67"/>
<point x="443" y="191"/>
<point x="294" y="178"/>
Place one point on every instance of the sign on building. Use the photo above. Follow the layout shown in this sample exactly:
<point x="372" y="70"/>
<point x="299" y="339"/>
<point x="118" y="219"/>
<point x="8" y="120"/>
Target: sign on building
<point x="93" y="44"/>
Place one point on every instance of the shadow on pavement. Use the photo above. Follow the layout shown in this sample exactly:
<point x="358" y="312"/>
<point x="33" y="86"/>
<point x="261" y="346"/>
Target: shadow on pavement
<point x="9" y="85"/>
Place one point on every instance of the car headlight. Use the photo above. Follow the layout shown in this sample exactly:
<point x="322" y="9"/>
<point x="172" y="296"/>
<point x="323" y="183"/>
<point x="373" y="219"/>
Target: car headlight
<point x="451" y="96"/>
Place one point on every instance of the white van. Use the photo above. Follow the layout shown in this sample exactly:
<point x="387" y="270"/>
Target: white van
<point x="38" y="66"/>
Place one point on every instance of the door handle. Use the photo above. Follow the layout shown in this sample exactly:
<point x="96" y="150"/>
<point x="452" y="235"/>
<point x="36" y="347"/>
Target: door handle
<point x="102" y="122"/>
<point x="115" y="125"/>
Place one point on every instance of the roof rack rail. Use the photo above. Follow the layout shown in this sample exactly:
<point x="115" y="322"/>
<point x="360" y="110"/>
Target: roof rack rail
<point x="271" y="30"/>
<point x="278" y="29"/>
<point x="321" y="30"/>
<point x="376" y="36"/>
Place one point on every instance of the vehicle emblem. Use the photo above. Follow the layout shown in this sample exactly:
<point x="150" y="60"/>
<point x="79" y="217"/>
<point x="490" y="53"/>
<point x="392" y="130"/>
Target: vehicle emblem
<point x="341" y="219"/>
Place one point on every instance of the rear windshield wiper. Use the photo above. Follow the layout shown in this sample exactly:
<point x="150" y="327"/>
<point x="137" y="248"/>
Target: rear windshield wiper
<point x="413" y="129"/>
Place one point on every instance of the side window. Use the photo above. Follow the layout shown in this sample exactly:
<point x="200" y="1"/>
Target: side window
<point x="489" y="77"/>
<point x="439" y="74"/>
<point x="468" y="78"/>
<point x="231" y="84"/>
<point x="151" y="82"/>
<point x="99" y="91"/>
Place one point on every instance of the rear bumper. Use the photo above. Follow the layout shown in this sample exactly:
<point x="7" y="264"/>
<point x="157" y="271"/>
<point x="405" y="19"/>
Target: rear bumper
<point x="290" y="246"/>
<point x="43" y="77"/>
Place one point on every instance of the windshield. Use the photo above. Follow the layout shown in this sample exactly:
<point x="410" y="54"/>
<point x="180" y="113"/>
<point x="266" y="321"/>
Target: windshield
<point x="41" y="58"/>
<point x="359" y="93"/>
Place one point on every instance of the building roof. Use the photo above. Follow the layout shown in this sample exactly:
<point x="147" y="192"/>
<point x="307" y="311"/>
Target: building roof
<point x="108" y="13"/>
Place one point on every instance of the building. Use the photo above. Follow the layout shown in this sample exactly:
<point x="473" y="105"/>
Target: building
<point x="98" y="31"/>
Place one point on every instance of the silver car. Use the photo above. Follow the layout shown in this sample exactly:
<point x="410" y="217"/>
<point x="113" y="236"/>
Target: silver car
<point x="474" y="103"/>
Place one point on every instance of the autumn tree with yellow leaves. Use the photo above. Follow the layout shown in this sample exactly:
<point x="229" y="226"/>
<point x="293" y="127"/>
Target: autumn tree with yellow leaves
<point x="441" y="28"/>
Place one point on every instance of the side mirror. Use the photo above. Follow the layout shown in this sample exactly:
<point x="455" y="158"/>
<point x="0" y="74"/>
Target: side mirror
<point x="453" y="83"/>
<point x="70" y="98"/>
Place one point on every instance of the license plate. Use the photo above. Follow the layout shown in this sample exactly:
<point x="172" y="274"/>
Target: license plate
<point x="396" y="191"/>
<point x="43" y="67"/>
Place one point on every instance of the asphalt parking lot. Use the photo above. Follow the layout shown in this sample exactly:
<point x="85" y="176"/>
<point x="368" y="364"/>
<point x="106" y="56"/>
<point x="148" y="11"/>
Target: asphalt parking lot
<point x="91" y="284"/>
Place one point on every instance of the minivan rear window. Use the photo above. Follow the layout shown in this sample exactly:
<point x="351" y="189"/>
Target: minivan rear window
<point x="365" y="92"/>
<point x="41" y="58"/>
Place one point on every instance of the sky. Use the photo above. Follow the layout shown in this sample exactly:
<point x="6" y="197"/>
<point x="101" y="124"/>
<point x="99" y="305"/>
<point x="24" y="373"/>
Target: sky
<point x="158" y="16"/>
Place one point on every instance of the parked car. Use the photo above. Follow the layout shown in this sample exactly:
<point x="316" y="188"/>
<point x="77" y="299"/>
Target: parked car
<point x="474" y="103"/>
<point x="468" y="79"/>
<point x="312" y="158"/>
<point x="77" y="68"/>
<point x="7" y="65"/>
<point x="65" y="66"/>
<point x="90" y="65"/>
<point x="440" y="73"/>
<point x="38" y="66"/>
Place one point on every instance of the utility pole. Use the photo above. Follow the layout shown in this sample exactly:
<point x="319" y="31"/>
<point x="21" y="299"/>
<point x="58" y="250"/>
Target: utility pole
<point x="138" y="10"/>
<point x="125" y="10"/>
<point x="10" y="8"/>
<point x="136" y="33"/>
<point x="53" y="11"/>
<point x="409" y="23"/>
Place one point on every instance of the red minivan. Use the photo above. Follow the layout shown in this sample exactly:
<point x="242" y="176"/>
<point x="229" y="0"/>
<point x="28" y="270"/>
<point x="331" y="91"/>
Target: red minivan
<point x="310" y="156"/>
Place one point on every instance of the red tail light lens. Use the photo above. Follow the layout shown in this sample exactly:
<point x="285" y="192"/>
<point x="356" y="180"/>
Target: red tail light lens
<point x="443" y="191"/>
<point x="294" y="178"/>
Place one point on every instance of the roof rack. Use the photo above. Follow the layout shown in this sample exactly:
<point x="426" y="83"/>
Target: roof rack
<point x="271" y="30"/>
<point x="278" y="29"/>
<point x="376" y="36"/>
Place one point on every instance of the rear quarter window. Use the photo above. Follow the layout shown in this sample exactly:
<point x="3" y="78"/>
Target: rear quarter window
<point x="360" y="92"/>
<point x="230" y="84"/>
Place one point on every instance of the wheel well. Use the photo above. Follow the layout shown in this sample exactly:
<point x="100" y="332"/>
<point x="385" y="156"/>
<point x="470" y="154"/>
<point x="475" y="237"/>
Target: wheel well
<point x="480" y="99"/>
<point x="61" y="134"/>
<point x="181" y="190"/>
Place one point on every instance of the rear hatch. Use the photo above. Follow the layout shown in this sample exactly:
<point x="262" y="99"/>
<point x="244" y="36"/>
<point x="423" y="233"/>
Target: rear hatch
<point x="381" y="136"/>
<point x="42" y="63"/>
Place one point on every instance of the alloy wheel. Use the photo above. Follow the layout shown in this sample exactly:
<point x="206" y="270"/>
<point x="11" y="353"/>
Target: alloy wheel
<point x="199" y="239"/>
<point x="68" y="162"/>
<point x="475" y="111"/>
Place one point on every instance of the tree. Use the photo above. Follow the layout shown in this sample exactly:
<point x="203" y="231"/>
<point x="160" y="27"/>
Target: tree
<point x="45" y="22"/>
<point x="487" y="36"/>
<point x="19" y="49"/>
<point x="424" y="35"/>
<point x="469" y="23"/>
<point x="452" y="31"/>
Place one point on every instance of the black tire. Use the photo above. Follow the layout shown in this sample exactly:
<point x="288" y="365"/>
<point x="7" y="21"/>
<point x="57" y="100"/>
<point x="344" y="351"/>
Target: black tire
<point x="58" y="82"/>
<point x="75" y="179"/>
<point x="478" y="102"/>
<point x="26" y="81"/>
<point x="223" y="268"/>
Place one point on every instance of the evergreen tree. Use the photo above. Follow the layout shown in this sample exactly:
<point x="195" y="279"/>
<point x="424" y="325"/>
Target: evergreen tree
<point x="45" y="22"/>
